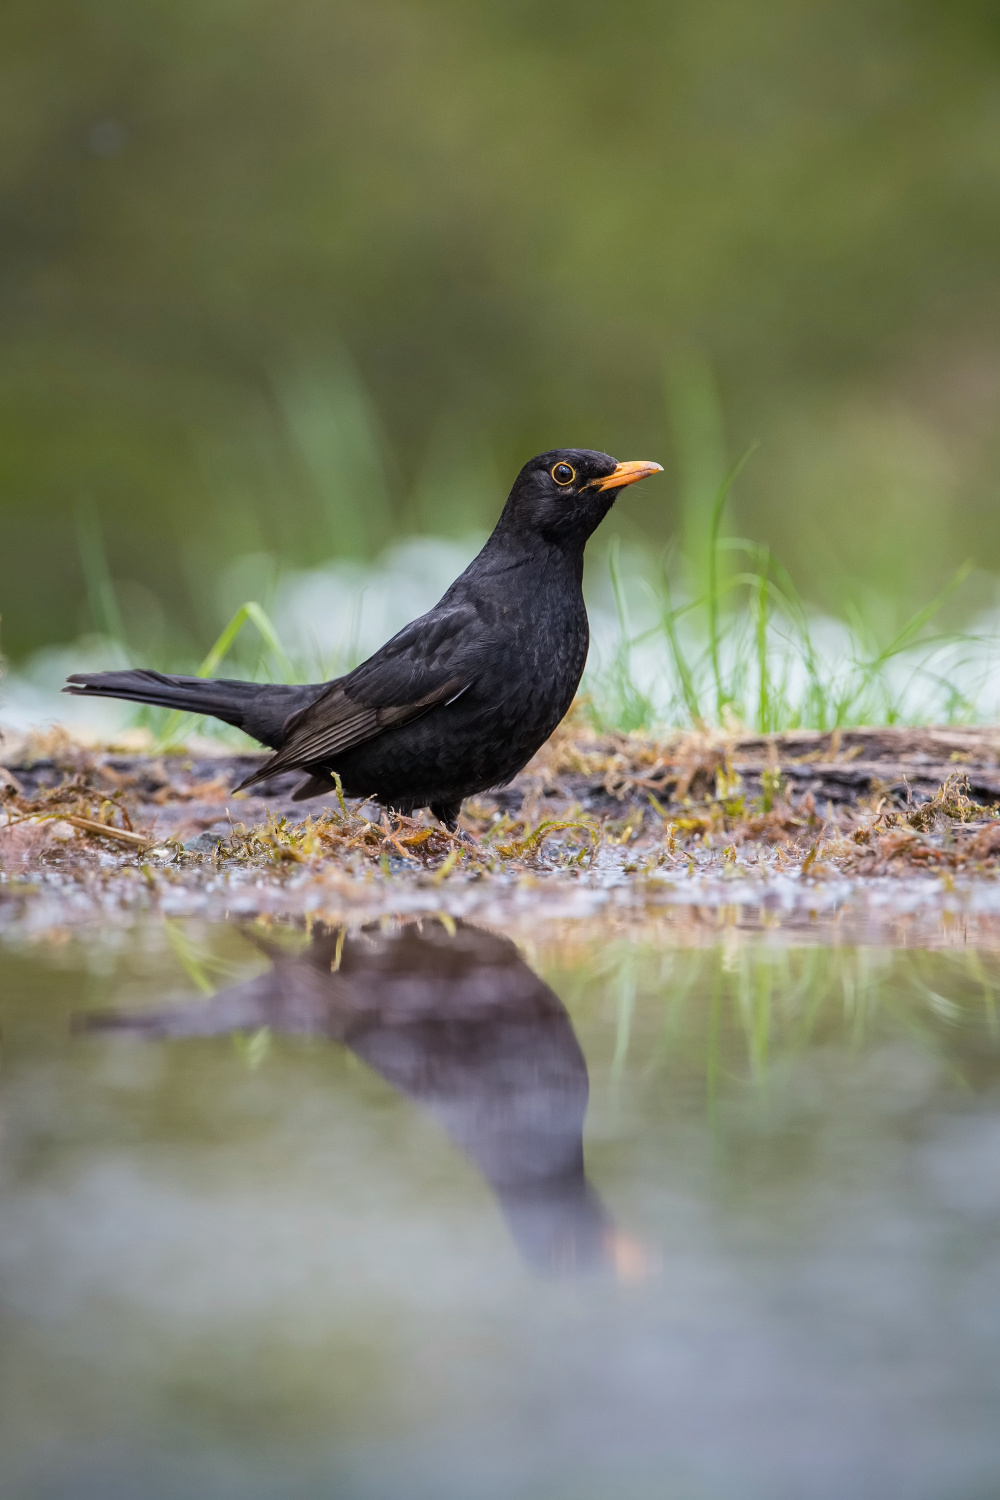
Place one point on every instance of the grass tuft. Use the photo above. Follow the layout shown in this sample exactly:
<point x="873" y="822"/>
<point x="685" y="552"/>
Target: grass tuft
<point x="744" y="651"/>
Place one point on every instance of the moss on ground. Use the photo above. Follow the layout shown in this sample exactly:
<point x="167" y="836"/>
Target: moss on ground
<point x="862" y="802"/>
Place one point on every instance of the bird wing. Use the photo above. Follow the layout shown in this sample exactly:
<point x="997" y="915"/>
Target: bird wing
<point x="426" y="664"/>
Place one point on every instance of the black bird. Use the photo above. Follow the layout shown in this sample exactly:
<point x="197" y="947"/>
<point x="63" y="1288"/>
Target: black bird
<point x="459" y="701"/>
<point x="456" y="1021"/>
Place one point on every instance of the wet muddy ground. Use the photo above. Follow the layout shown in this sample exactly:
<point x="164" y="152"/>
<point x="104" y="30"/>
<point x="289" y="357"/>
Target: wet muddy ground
<point x="795" y="822"/>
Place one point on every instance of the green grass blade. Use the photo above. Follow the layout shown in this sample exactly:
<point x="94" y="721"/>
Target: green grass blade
<point x="254" y="614"/>
<point x="761" y="598"/>
<point x="712" y="590"/>
<point x="923" y="617"/>
<point x="101" y="596"/>
<point x="668" y="619"/>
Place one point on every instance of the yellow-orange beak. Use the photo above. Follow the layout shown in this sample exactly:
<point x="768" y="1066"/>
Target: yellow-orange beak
<point x="629" y="473"/>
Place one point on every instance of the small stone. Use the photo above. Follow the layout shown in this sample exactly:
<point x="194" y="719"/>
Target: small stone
<point x="204" y="843"/>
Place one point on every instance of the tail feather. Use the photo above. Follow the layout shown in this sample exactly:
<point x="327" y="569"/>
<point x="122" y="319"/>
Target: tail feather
<point x="260" y="709"/>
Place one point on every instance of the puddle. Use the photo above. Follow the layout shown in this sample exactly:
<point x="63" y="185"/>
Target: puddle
<point x="674" y="1205"/>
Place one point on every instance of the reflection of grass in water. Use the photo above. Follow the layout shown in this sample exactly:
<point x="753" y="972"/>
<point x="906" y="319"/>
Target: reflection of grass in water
<point x="195" y="962"/>
<point x="736" y="1020"/>
<point x="742" y="1015"/>
<point x="207" y="971"/>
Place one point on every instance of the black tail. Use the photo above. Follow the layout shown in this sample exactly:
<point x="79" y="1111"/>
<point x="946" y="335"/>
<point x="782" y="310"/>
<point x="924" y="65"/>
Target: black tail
<point x="256" y="707"/>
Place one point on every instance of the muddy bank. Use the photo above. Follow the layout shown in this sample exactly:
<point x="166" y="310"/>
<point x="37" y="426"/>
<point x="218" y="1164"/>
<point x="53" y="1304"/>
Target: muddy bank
<point x="762" y="824"/>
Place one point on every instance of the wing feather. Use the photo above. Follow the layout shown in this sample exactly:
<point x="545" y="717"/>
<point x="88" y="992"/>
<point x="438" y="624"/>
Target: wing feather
<point x="340" y="724"/>
<point x="428" y="663"/>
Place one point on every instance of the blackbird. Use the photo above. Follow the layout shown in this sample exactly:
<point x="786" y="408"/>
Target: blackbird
<point x="459" y="701"/>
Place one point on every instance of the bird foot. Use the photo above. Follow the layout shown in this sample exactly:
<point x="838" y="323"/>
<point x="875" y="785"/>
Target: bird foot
<point x="447" y="813"/>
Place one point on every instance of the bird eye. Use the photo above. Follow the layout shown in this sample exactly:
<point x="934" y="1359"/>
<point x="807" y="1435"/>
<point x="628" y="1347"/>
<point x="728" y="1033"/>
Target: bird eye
<point x="563" y="474"/>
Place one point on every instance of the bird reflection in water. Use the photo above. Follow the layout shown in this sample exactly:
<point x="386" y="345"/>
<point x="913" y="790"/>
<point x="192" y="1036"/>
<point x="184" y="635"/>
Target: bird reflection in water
<point x="453" y="1018"/>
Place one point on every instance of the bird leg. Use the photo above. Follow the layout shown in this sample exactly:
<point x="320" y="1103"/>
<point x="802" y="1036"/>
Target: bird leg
<point x="447" y="813"/>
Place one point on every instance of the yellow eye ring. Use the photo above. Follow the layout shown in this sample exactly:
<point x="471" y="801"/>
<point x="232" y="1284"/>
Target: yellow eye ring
<point x="563" y="473"/>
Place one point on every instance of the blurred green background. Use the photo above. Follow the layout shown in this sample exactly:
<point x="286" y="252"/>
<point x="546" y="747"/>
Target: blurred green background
<point x="299" y="278"/>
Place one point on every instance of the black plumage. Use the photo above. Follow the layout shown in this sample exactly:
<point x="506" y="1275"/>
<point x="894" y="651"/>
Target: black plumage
<point x="459" y="700"/>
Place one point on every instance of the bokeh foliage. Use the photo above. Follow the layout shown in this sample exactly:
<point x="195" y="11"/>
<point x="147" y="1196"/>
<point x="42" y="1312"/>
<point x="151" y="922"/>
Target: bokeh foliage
<point x="297" y="277"/>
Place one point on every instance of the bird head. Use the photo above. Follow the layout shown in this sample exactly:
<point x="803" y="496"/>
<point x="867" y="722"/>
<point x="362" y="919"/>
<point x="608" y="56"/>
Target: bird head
<point x="566" y="493"/>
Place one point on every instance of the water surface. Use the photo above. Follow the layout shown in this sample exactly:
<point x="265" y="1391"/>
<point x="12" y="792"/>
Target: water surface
<point x="410" y="1211"/>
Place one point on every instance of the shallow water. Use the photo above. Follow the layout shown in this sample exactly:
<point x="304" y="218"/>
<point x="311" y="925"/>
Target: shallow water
<point x="292" y="1213"/>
